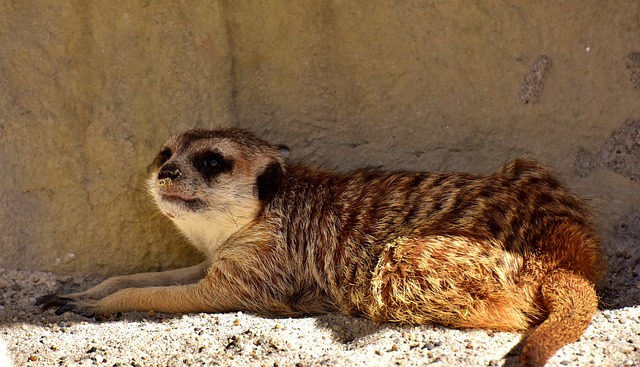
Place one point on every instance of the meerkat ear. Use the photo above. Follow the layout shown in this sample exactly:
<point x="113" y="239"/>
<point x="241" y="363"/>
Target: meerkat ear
<point x="269" y="181"/>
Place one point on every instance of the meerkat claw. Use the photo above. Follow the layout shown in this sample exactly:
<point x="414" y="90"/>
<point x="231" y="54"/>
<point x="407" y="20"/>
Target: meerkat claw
<point x="66" y="308"/>
<point x="86" y="308"/>
<point x="51" y="300"/>
<point x="63" y="304"/>
<point x="46" y="298"/>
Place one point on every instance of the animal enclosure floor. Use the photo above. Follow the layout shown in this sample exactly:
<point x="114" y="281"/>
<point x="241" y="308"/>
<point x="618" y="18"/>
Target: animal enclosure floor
<point x="34" y="338"/>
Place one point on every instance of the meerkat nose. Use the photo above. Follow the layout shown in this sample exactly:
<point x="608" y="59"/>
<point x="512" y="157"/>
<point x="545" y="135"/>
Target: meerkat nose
<point x="169" y="171"/>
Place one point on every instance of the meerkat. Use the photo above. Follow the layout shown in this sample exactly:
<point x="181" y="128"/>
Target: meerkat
<point x="511" y="251"/>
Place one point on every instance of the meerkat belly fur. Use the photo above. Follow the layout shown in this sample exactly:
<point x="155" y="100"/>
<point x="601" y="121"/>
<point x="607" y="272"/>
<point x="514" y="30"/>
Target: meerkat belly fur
<point x="507" y="251"/>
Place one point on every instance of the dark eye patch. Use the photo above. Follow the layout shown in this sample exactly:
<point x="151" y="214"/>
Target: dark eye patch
<point x="210" y="164"/>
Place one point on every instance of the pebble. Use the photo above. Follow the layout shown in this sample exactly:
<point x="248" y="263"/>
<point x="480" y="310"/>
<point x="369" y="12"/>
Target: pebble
<point x="429" y="346"/>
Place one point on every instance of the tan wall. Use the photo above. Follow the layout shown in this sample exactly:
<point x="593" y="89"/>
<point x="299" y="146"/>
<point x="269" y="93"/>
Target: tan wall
<point x="89" y="91"/>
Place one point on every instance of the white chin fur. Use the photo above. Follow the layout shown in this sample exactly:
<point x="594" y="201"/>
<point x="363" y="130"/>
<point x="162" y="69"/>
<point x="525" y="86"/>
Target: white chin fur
<point x="206" y="227"/>
<point x="173" y="210"/>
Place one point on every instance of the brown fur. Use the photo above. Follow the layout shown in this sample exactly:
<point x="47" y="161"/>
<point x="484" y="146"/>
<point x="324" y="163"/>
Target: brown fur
<point x="506" y="251"/>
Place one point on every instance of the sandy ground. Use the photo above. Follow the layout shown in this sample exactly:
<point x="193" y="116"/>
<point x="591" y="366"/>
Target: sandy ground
<point x="34" y="338"/>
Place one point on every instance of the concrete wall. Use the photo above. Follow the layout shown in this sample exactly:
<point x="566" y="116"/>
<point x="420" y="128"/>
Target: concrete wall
<point x="90" y="90"/>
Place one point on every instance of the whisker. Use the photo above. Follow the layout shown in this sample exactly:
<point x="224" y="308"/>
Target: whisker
<point x="168" y="127"/>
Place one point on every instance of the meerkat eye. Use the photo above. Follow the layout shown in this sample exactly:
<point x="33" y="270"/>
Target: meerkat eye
<point x="209" y="164"/>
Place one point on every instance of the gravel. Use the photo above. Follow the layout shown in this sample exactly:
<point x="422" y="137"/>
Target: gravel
<point x="36" y="338"/>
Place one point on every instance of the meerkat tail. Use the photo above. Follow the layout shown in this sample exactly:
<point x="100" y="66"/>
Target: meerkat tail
<point x="571" y="300"/>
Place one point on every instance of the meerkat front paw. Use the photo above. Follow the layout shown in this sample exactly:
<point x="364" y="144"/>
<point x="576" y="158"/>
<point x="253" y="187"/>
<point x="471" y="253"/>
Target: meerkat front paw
<point x="86" y="307"/>
<point x="51" y="300"/>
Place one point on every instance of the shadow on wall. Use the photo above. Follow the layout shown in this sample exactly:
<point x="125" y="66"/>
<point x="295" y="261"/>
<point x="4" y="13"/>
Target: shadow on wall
<point x="620" y="154"/>
<point x="621" y="287"/>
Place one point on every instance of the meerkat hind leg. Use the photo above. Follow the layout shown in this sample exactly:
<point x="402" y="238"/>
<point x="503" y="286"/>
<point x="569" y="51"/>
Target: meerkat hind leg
<point x="451" y="281"/>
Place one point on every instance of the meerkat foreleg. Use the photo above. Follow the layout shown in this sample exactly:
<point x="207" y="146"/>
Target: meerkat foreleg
<point x="225" y="287"/>
<point x="172" y="299"/>
<point x="182" y="276"/>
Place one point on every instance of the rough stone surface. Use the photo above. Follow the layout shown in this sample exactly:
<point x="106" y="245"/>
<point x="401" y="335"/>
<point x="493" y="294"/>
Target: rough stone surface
<point x="533" y="80"/>
<point x="88" y="92"/>
<point x="633" y="65"/>
<point x="91" y="89"/>
<point x="620" y="153"/>
<point x="622" y="287"/>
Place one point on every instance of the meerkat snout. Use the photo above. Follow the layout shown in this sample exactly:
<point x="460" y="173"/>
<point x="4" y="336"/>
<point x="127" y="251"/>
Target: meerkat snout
<point x="168" y="173"/>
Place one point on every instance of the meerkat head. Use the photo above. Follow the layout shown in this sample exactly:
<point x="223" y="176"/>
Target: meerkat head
<point x="212" y="183"/>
